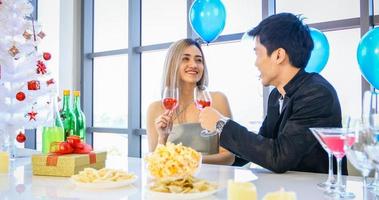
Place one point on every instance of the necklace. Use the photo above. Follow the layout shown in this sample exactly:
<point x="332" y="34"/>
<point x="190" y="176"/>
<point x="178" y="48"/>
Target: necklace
<point x="179" y="113"/>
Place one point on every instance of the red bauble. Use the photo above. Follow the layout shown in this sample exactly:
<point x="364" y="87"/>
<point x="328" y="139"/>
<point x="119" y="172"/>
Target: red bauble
<point x="21" y="137"/>
<point x="46" y="56"/>
<point x="33" y="85"/>
<point x="20" y="96"/>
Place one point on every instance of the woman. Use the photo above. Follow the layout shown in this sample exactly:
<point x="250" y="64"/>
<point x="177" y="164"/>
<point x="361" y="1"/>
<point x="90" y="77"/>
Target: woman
<point x="185" y="69"/>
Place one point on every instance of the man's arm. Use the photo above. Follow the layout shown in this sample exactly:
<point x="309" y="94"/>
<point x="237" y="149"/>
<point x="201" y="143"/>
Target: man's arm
<point x="316" y="107"/>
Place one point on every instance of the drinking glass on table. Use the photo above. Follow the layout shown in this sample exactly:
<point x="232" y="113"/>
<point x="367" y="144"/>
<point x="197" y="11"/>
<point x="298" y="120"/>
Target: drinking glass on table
<point x="335" y="139"/>
<point x="355" y="152"/>
<point x="170" y="101"/>
<point x="203" y="99"/>
<point x="329" y="184"/>
<point x="371" y="120"/>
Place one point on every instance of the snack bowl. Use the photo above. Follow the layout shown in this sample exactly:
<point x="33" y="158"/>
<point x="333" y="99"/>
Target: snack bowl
<point x="172" y="161"/>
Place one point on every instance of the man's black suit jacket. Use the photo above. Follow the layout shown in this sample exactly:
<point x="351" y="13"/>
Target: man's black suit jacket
<point x="284" y="141"/>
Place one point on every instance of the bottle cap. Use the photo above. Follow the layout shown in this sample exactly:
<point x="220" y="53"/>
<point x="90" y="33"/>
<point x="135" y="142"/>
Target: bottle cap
<point x="76" y="93"/>
<point x="66" y="92"/>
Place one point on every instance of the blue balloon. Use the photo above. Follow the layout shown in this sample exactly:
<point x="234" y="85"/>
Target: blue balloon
<point x="207" y="18"/>
<point x="368" y="56"/>
<point x="320" y="53"/>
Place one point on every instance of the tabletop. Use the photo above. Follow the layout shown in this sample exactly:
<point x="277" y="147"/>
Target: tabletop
<point x="21" y="184"/>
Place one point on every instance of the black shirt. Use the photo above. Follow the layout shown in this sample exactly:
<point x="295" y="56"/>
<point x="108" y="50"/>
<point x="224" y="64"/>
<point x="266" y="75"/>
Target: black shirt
<point x="284" y="141"/>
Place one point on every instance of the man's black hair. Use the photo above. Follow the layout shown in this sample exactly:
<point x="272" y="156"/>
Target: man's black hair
<point x="287" y="31"/>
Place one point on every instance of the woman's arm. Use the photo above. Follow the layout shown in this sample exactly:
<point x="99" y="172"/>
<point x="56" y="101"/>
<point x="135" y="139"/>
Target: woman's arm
<point x="153" y="138"/>
<point x="220" y="103"/>
<point x="224" y="157"/>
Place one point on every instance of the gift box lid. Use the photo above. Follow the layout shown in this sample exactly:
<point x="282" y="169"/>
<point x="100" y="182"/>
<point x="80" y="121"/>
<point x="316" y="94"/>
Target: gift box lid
<point x="69" y="159"/>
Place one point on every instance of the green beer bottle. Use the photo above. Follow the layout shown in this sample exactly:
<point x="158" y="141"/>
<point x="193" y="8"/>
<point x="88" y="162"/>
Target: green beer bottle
<point x="80" y="117"/>
<point x="54" y="132"/>
<point x="68" y="116"/>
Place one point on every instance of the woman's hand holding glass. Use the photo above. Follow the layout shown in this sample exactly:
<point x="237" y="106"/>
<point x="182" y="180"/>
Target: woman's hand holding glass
<point x="163" y="124"/>
<point x="170" y="101"/>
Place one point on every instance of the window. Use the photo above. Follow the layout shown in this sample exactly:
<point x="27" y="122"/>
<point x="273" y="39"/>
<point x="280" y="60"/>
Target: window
<point x="113" y="144"/>
<point x="241" y="16"/>
<point x="320" y="10"/>
<point x="232" y="71"/>
<point x="152" y="69"/>
<point x="343" y="47"/>
<point x="376" y="7"/>
<point x="111" y="91"/>
<point x="110" y="25"/>
<point x="163" y="21"/>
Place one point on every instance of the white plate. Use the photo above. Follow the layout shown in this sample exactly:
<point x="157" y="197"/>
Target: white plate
<point x="104" y="185"/>
<point x="180" y="196"/>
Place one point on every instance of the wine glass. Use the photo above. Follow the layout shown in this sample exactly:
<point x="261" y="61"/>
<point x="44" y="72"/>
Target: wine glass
<point x="170" y="101"/>
<point x="355" y="152"/>
<point x="371" y="120"/>
<point x="329" y="184"/>
<point x="335" y="139"/>
<point x="203" y="99"/>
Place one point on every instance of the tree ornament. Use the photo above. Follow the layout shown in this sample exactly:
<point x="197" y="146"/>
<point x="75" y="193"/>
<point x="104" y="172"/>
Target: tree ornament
<point x="13" y="51"/>
<point x="41" y="67"/>
<point x="33" y="85"/>
<point x="20" y="96"/>
<point x="32" y="115"/>
<point x="27" y="35"/>
<point x="49" y="82"/>
<point x="46" y="56"/>
<point x="21" y="137"/>
<point x="41" y="34"/>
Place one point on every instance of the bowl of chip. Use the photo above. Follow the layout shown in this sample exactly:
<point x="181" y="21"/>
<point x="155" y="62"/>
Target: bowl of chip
<point x="173" y="161"/>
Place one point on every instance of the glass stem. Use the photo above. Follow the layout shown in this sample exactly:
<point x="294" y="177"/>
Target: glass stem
<point x="330" y="171"/>
<point x="364" y="181"/>
<point x="339" y="175"/>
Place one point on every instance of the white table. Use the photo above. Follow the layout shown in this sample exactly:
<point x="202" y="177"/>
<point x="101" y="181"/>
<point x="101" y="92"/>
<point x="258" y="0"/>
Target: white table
<point x="21" y="184"/>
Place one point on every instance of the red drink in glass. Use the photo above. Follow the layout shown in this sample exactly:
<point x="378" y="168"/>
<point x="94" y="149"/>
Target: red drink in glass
<point x="170" y="103"/>
<point x="201" y="104"/>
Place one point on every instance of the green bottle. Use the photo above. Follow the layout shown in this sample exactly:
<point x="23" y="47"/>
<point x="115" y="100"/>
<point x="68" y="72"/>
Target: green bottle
<point x="68" y="116"/>
<point x="80" y="117"/>
<point x="53" y="132"/>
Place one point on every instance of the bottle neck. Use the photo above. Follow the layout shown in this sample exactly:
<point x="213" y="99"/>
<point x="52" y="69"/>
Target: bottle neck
<point x="66" y="102"/>
<point x="77" y="103"/>
<point x="57" y="119"/>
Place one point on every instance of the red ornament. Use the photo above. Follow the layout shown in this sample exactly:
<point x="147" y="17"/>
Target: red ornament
<point x="20" y="96"/>
<point x="33" y="85"/>
<point x="41" y="67"/>
<point x="32" y="115"/>
<point x="21" y="137"/>
<point x="46" y="56"/>
<point x="49" y="82"/>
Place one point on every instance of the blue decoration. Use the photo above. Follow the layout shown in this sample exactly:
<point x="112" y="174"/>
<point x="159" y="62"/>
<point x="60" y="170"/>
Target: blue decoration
<point x="368" y="56"/>
<point x="320" y="53"/>
<point x="207" y="18"/>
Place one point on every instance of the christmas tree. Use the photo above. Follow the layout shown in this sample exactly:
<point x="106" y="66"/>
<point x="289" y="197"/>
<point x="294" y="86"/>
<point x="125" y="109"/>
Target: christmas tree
<point x="27" y="87"/>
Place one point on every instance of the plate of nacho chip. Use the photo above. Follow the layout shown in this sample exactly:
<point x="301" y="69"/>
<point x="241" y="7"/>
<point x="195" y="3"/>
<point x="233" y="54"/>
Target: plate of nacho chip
<point x="181" y="189"/>
<point x="103" y="179"/>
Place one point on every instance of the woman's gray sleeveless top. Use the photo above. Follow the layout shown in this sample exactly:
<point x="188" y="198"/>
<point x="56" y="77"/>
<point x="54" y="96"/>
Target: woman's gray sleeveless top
<point x="189" y="135"/>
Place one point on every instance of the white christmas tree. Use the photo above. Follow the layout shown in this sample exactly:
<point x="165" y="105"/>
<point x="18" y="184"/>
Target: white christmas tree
<point x="26" y="83"/>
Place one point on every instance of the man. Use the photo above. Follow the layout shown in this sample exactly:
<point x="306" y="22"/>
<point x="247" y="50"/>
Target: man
<point x="299" y="101"/>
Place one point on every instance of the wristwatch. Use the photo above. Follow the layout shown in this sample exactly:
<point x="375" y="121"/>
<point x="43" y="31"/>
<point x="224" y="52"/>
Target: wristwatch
<point x="220" y="124"/>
